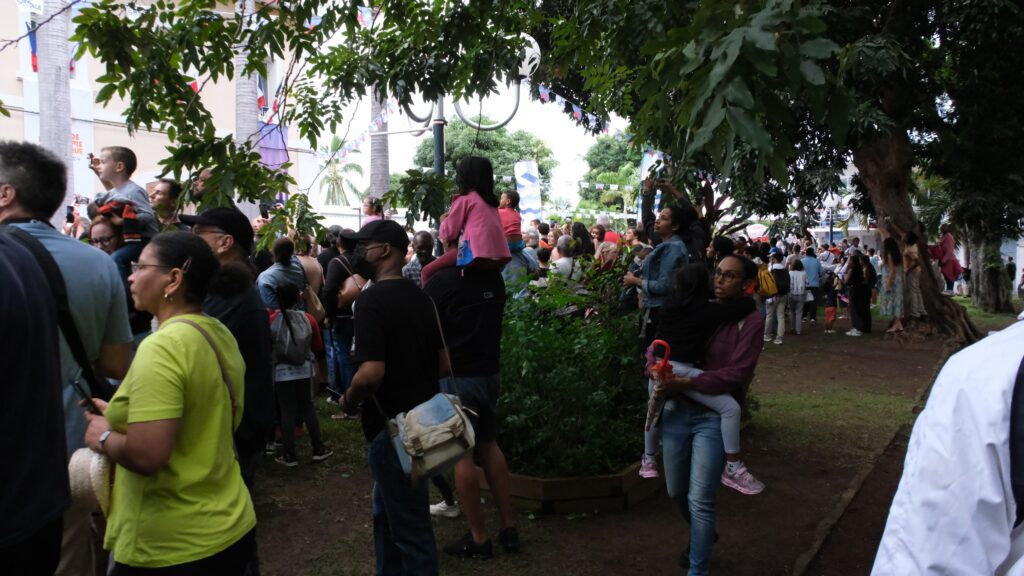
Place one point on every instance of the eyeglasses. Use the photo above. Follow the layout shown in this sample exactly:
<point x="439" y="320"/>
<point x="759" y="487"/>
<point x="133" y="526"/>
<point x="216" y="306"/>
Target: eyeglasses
<point x="727" y="275"/>
<point x="136" y="266"/>
<point x="104" y="240"/>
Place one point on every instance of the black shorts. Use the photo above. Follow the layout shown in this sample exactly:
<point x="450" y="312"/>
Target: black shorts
<point x="479" y="394"/>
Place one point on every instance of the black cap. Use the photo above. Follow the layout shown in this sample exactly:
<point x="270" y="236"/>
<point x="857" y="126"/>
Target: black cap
<point x="230" y="220"/>
<point x="387" y="231"/>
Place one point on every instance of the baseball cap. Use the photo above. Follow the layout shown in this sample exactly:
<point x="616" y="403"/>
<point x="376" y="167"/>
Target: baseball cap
<point x="230" y="220"/>
<point x="386" y="231"/>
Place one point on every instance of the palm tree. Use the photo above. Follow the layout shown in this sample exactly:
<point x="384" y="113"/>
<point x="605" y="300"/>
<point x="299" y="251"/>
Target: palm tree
<point x="380" y="173"/>
<point x="247" y="111"/>
<point x="55" y="91"/>
<point x="335" y="184"/>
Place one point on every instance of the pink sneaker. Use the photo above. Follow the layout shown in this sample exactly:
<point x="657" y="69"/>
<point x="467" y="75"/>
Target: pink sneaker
<point x="648" y="467"/>
<point x="742" y="480"/>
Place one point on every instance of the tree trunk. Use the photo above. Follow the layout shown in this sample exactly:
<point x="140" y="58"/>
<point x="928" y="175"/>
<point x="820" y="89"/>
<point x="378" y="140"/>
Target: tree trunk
<point x="884" y="162"/>
<point x="55" y="95"/>
<point x="990" y="285"/>
<point x="247" y="112"/>
<point x="380" y="171"/>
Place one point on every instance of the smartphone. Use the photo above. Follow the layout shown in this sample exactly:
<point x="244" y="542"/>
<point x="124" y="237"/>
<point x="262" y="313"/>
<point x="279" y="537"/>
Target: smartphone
<point x="264" y="211"/>
<point x="70" y="215"/>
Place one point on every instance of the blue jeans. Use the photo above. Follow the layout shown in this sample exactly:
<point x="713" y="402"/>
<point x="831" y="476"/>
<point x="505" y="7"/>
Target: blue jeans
<point x="694" y="458"/>
<point x="125" y="255"/>
<point x="339" y="358"/>
<point x="403" y="536"/>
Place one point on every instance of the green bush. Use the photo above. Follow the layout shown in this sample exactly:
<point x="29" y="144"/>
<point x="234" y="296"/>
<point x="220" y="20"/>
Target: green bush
<point x="573" y="397"/>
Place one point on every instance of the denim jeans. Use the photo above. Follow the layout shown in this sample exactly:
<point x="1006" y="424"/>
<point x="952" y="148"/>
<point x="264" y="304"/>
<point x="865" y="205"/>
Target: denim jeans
<point x="694" y="458"/>
<point x="403" y="536"/>
<point x="340" y="357"/>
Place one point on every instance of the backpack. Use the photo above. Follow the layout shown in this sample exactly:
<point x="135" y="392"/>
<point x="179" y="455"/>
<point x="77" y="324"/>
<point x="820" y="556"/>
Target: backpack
<point x="765" y="282"/>
<point x="292" y="337"/>
<point x="782" y="283"/>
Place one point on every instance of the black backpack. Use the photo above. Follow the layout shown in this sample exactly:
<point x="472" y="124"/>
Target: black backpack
<point x="781" y="277"/>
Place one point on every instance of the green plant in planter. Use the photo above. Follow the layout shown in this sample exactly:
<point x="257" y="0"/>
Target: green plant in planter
<point x="573" y="397"/>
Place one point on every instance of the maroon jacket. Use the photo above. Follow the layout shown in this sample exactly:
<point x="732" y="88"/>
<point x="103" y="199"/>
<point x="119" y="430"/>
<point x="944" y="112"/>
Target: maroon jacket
<point x="731" y="357"/>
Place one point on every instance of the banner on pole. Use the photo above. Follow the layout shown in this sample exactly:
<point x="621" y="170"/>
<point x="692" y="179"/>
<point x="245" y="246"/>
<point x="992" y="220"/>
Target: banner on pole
<point x="528" y="185"/>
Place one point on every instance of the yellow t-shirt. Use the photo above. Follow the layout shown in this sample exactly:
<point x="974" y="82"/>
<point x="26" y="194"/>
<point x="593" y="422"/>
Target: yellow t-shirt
<point x="197" y="505"/>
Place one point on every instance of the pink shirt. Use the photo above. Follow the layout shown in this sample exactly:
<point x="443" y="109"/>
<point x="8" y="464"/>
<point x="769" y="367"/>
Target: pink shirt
<point x="511" y="222"/>
<point x="470" y="218"/>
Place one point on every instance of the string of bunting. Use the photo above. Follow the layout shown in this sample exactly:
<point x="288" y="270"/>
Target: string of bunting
<point x="600" y="186"/>
<point x="377" y="124"/>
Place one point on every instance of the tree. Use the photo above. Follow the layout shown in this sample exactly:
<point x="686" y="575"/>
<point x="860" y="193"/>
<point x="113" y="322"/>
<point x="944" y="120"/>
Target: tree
<point x="746" y="88"/>
<point x="337" y="188"/>
<point x="55" y="99"/>
<point x="610" y="155"/>
<point x="502" y="148"/>
<point x="418" y="48"/>
<point x="380" y="172"/>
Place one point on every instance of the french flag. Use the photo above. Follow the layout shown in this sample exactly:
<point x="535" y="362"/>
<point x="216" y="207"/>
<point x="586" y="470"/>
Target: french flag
<point x="261" y="93"/>
<point x="32" y="44"/>
<point x="277" y="94"/>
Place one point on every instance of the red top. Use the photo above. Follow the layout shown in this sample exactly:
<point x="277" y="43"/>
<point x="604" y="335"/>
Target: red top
<point x="511" y="222"/>
<point x="318" y="342"/>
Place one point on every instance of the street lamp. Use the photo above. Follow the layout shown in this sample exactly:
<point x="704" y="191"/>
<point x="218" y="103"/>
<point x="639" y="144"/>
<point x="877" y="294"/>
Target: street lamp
<point x="830" y="204"/>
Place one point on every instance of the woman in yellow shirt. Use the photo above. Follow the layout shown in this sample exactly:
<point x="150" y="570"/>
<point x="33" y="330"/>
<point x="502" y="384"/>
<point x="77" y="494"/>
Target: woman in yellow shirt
<point x="178" y="500"/>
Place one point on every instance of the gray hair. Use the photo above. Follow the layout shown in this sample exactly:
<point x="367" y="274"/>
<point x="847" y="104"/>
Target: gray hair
<point x="564" y="245"/>
<point x="603" y="220"/>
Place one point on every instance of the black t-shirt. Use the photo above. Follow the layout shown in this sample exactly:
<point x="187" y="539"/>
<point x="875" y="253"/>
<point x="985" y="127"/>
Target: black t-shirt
<point x="325" y="256"/>
<point x="471" y="303"/>
<point x="337" y="273"/>
<point x="34" y="484"/>
<point x="395" y="323"/>
<point x="688" y="326"/>
<point x="234" y="300"/>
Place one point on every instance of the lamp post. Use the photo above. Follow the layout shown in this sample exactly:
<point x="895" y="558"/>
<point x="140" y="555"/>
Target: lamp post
<point x="830" y="204"/>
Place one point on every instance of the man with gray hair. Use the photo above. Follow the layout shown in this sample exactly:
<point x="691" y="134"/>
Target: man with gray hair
<point x="609" y="234"/>
<point x="33" y="183"/>
<point x="565" y="265"/>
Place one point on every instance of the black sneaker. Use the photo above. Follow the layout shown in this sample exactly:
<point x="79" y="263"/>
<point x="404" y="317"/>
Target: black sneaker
<point x="465" y="547"/>
<point x="509" y="539"/>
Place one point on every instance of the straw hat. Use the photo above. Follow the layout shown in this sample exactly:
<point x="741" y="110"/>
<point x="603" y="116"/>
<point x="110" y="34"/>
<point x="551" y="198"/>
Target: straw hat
<point x="92" y="476"/>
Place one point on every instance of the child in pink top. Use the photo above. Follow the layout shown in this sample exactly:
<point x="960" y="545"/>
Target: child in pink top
<point x="472" y="233"/>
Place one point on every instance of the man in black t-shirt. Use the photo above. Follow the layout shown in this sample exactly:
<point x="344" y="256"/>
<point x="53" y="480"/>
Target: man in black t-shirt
<point x="471" y="303"/>
<point x="400" y="354"/>
<point x="34" y="485"/>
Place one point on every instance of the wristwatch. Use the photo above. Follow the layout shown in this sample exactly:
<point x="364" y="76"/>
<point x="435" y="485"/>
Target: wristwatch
<point x="103" y="438"/>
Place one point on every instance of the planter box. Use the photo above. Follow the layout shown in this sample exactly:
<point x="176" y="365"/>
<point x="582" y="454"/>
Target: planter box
<point x="606" y="493"/>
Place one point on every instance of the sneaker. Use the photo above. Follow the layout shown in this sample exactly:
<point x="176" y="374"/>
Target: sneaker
<point x="465" y="547"/>
<point x="270" y="449"/>
<point x="854" y="332"/>
<point x="767" y="338"/>
<point x="443" y="509"/>
<point x="509" y="539"/>
<point x="777" y="341"/>
<point x="742" y="481"/>
<point x="648" y="467"/>
<point x="814" y="322"/>
<point x="286" y="460"/>
<point x="322" y="454"/>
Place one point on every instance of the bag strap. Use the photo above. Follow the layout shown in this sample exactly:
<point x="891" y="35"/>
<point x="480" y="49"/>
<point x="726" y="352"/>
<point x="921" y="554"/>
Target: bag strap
<point x="102" y="390"/>
<point x="1017" y="444"/>
<point x="348" y="269"/>
<point x="220" y="361"/>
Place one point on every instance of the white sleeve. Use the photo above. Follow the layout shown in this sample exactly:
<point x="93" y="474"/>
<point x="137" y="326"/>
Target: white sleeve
<point x="954" y="510"/>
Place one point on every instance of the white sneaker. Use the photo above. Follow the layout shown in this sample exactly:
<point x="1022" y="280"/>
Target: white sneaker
<point x="443" y="509"/>
<point x="778" y="341"/>
<point x="854" y="332"/>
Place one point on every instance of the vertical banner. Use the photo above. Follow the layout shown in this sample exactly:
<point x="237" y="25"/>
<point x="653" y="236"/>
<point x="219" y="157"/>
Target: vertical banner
<point x="528" y="186"/>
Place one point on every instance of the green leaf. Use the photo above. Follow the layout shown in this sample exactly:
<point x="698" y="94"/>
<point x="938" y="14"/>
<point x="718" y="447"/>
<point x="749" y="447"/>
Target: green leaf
<point x="714" y="117"/>
<point x="819" y="48"/>
<point x="749" y="129"/>
<point x="737" y="93"/>
<point x="812" y="72"/>
<point x="105" y="93"/>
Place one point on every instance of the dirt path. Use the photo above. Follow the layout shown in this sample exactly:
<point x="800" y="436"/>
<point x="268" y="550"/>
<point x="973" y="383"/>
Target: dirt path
<point x="828" y="404"/>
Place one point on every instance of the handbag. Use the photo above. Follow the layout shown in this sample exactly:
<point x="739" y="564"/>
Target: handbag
<point x="313" y="304"/>
<point x="809" y="296"/>
<point x="431" y="437"/>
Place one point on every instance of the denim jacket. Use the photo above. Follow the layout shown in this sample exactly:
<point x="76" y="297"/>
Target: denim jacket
<point x="658" y="275"/>
<point x="276" y="275"/>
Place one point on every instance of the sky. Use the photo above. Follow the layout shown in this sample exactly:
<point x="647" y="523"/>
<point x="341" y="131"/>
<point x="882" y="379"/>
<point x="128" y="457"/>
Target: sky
<point x="567" y="141"/>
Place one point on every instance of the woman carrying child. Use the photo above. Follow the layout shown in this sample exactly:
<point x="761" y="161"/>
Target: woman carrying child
<point x="471" y="231"/>
<point x="688" y="320"/>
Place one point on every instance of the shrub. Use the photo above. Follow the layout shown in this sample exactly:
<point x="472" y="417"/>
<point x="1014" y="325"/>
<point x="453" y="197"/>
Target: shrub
<point x="573" y="399"/>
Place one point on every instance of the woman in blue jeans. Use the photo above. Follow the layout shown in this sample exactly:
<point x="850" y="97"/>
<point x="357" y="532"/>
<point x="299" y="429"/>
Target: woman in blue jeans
<point x="694" y="455"/>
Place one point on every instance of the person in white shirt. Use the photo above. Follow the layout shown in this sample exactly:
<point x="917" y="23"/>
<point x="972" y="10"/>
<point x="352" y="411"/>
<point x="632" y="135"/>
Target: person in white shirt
<point x="565" y="265"/>
<point x="797" y="294"/>
<point x="955" y="511"/>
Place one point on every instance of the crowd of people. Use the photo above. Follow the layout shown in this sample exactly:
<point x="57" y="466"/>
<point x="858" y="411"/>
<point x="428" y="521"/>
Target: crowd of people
<point x="213" y="353"/>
